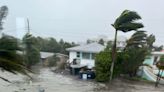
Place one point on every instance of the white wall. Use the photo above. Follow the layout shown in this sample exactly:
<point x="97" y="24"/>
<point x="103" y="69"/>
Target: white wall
<point x="72" y="55"/>
<point x="88" y="62"/>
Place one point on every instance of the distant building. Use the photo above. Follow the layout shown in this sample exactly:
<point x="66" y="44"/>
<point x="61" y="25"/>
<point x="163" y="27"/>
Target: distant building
<point x="85" y="54"/>
<point x="44" y="57"/>
<point x="121" y="41"/>
<point x="97" y="39"/>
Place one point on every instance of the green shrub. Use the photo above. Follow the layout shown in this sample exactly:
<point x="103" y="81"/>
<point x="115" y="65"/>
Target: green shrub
<point x="129" y="61"/>
<point x="52" y="61"/>
<point x="102" y="66"/>
<point x="61" y="65"/>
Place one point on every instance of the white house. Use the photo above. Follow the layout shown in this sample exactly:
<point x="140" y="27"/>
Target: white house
<point x="85" y="53"/>
<point x="150" y="73"/>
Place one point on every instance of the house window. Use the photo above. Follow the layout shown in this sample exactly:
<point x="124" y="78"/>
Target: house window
<point x="93" y="55"/>
<point x="78" y="54"/>
<point x="86" y="55"/>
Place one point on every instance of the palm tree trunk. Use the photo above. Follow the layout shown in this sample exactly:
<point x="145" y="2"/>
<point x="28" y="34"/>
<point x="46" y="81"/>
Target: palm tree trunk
<point x="113" y="56"/>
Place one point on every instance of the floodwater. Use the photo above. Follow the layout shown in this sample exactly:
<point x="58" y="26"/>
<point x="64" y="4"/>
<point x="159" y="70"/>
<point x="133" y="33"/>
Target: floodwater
<point x="53" y="82"/>
<point x="48" y="80"/>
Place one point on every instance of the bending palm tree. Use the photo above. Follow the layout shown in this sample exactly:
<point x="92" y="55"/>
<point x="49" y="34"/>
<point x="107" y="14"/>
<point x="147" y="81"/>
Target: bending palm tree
<point x="125" y="22"/>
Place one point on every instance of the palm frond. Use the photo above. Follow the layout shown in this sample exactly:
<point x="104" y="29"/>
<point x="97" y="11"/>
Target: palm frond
<point x="5" y="79"/>
<point x="12" y="62"/>
<point x="127" y="21"/>
<point x="137" y="39"/>
<point x="127" y="16"/>
<point x="125" y="27"/>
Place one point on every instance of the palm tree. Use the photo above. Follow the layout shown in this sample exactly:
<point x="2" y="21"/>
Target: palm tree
<point x="137" y="40"/>
<point x="150" y="40"/>
<point x="10" y="60"/>
<point x="3" y="14"/>
<point x="125" y="22"/>
<point x="31" y="53"/>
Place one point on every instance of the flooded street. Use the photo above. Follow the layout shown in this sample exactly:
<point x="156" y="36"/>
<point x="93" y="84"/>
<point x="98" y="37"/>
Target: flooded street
<point x="49" y="81"/>
<point x="53" y="82"/>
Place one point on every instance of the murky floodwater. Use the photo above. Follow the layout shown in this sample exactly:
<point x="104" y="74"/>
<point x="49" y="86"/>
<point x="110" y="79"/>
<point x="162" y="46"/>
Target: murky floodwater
<point x="50" y="81"/>
<point x="53" y="82"/>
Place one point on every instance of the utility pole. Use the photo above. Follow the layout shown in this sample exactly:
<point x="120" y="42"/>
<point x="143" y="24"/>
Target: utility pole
<point x="28" y="26"/>
<point x="25" y="45"/>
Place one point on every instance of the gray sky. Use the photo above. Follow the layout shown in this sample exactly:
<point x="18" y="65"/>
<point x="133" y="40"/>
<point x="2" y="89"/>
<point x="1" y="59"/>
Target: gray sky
<point x="77" y="20"/>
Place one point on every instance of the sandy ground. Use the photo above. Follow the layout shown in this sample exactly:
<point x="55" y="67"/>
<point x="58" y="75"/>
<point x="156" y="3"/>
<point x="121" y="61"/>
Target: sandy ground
<point x="53" y="82"/>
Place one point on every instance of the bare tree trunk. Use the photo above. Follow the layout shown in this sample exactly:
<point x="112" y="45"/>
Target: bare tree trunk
<point x="113" y="56"/>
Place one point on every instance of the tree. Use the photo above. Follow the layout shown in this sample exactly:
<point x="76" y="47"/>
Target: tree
<point x="52" y="61"/>
<point x="150" y="40"/>
<point x="31" y="53"/>
<point x="109" y="45"/>
<point x="9" y="43"/>
<point x="125" y="22"/>
<point x="133" y="58"/>
<point x="133" y="55"/>
<point x="3" y="14"/>
<point x="65" y="46"/>
<point x="137" y="50"/>
<point x="61" y="42"/>
<point x="53" y="45"/>
<point x="137" y="40"/>
<point x="101" y="41"/>
<point x="156" y="48"/>
<point x="10" y="60"/>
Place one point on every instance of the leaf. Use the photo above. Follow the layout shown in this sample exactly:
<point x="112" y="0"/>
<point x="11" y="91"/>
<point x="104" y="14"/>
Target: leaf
<point x="126" y="27"/>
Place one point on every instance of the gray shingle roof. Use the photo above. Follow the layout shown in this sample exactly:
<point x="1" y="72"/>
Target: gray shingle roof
<point x="42" y="54"/>
<point x="93" y="48"/>
<point x="46" y="54"/>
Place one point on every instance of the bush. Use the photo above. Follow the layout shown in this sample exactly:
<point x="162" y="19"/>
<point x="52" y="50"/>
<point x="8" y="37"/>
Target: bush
<point x="61" y="65"/>
<point x="129" y="61"/>
<point x="52" y="61"/>
<point x="102" y="66"/>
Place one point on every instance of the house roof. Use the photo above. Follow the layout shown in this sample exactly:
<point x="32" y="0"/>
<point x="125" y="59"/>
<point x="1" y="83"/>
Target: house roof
<point x="46" y="54"/>
<point x="93" y="48"/>
<point x="42" y="54"/>
<point x="157" y="53"/>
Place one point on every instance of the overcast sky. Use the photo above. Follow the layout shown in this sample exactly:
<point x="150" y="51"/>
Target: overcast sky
<point x="77" y="20"/>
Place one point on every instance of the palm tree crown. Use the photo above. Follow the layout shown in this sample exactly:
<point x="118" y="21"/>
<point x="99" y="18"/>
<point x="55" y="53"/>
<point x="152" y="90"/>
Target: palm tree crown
<point x="127" y="21"/>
